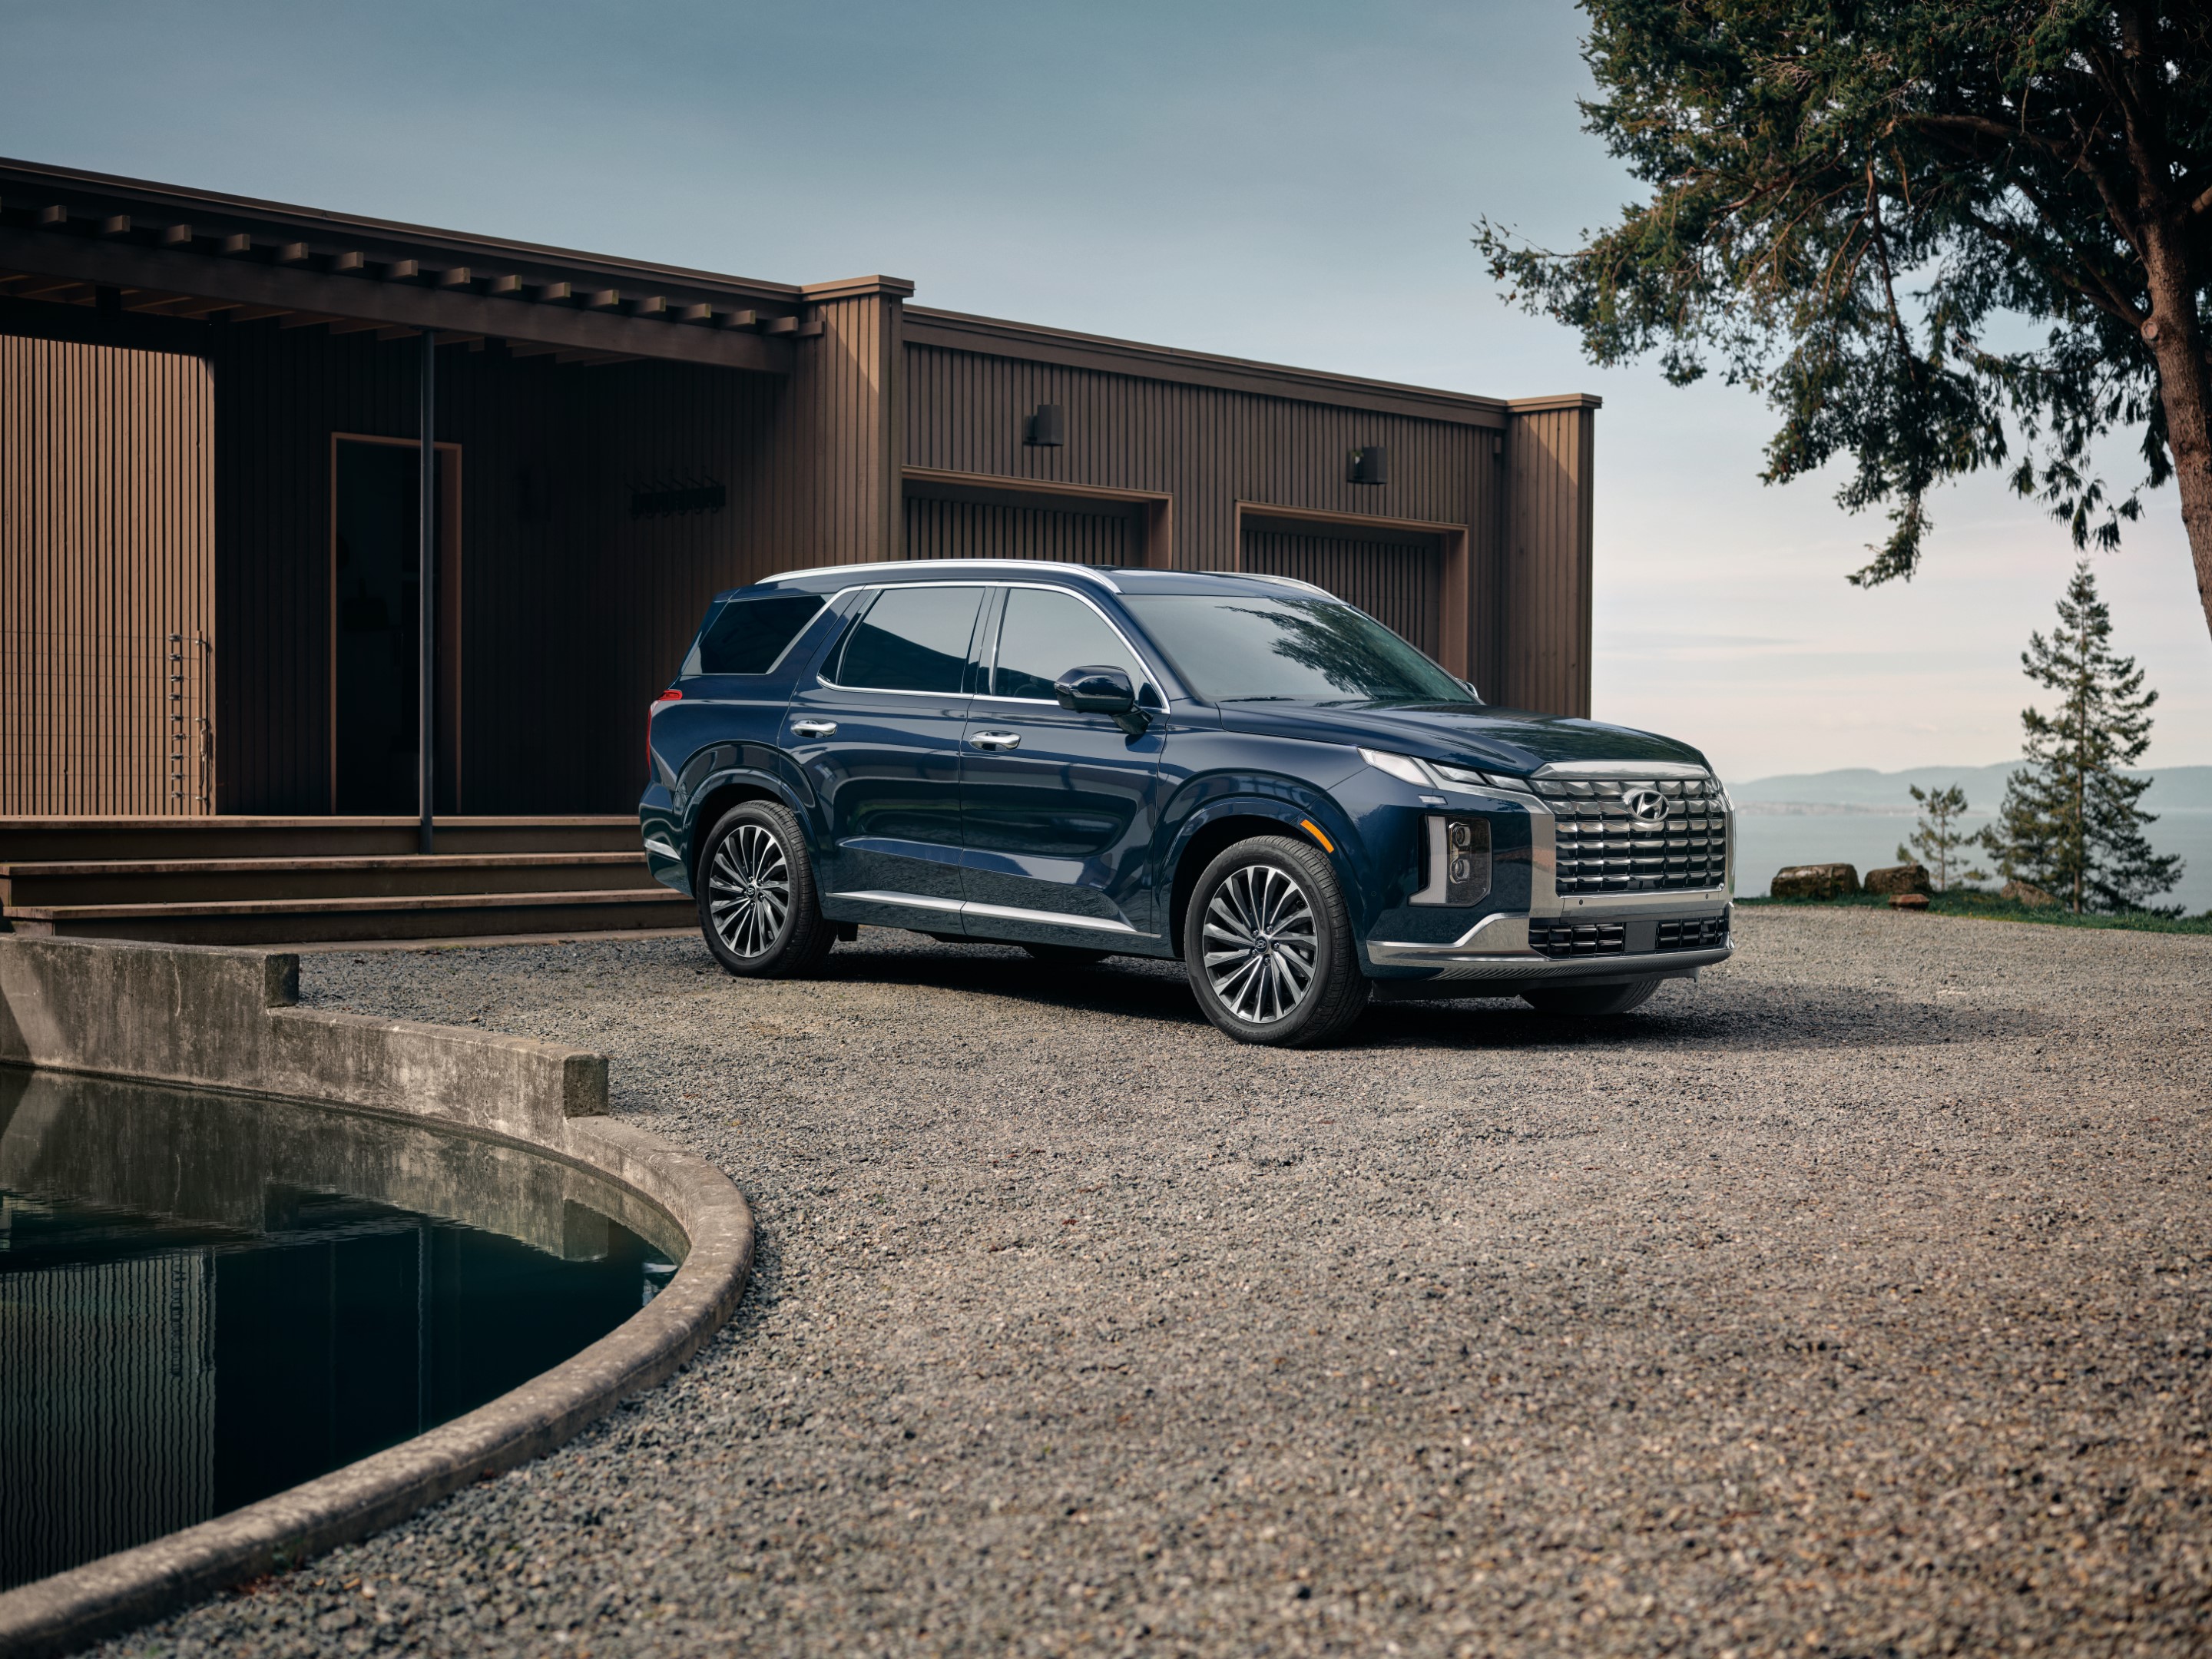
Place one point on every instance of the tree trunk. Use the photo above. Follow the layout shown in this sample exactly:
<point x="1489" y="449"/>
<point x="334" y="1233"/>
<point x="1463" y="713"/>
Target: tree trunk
<point x="2177" y="341"/>
<point x="2173" y="331"/>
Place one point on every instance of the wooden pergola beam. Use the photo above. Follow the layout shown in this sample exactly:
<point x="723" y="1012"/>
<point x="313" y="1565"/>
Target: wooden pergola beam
<point x="240" y="282"/>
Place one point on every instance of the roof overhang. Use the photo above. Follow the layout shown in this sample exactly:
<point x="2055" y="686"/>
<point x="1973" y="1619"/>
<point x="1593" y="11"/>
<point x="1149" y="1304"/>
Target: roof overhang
<point x="169" y="251"/>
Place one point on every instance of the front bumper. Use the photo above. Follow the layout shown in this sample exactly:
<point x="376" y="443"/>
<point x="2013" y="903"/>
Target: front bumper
<point x="1669" y="940"/>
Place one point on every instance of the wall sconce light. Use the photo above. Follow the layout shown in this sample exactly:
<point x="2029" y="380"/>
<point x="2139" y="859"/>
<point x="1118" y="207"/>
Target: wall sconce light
<point x="1370" y="466"/>
<point x="1046" y="428"/>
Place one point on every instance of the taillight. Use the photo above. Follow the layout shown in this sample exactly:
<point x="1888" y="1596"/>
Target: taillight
<point x="670" y="696"/>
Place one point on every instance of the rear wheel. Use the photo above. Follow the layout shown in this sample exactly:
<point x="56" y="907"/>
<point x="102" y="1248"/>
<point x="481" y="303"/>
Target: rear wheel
<point x="757" y="904"/>
<point x="1587" y="1001"/>
<point x="1269" y="944"/>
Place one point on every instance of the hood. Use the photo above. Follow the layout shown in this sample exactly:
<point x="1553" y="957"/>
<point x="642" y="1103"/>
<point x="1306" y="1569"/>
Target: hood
<point x="1468" y="734"/>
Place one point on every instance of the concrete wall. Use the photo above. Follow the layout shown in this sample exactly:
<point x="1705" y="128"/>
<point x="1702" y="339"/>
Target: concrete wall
<point x="225" y="1019"/>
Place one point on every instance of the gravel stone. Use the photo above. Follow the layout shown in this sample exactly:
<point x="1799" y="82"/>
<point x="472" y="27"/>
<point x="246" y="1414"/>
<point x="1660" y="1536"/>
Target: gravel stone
<point x="1852" y="1301"/>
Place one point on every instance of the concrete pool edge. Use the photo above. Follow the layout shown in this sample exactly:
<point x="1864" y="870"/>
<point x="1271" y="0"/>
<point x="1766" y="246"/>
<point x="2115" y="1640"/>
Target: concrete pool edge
<point x="182" y="1014"/>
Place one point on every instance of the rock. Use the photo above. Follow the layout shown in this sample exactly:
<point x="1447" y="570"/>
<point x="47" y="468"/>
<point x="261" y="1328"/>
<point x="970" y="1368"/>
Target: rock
<point x="2028" y="893"/>
<point x="1815" y="881"/>
<point x="1899" y="879"/>
<point x="1904" y="901"/>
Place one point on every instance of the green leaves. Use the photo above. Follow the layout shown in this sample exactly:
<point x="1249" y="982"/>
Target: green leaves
<point x="1851" y="208"/>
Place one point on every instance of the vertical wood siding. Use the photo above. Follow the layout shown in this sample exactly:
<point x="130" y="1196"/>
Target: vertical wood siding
<point x="1547" y="609"/>
<point x="940" y="529"/>
<point x="1397" y="580"/>
<point x="107" y="616"/>
<point x="831" y="480"/>
<point x="1210" y="449"/>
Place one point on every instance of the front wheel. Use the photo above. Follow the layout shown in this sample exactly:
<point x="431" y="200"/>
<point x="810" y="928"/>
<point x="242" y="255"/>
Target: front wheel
<point x="1589" y="1001"/>
<point x="758" y="905"/>
<point x="1269" y="944"/>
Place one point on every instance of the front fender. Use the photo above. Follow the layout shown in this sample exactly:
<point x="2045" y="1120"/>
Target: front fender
<point x="1288" y="801"/>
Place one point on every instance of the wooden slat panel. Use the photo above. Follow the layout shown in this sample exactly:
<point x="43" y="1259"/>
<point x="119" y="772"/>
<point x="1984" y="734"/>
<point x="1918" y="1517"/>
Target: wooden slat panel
<point x="937" y="528"/>
<point x="1546" y="600"/>
<point x="1398" y="580"/>
<point x="107" y="580"/>
<point x="1209" y="448"/>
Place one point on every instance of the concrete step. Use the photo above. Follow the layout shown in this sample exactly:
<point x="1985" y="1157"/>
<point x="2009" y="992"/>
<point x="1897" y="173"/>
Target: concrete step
<point x="432" y="915"/>
<point x="187" y="880"/>
<point x="79" y="839"/>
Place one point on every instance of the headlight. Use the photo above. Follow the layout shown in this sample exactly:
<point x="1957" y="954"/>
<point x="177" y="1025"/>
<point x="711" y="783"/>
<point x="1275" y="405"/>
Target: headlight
<point x="1403" y="767"/>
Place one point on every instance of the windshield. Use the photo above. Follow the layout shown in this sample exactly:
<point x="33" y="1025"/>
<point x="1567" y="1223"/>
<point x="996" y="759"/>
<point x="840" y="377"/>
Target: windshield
<point x="1233" y="649"/>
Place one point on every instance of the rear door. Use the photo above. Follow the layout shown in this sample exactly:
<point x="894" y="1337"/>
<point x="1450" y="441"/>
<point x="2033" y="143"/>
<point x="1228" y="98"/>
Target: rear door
<point x="1057" y="808"/>
<point x="878" y="732"/>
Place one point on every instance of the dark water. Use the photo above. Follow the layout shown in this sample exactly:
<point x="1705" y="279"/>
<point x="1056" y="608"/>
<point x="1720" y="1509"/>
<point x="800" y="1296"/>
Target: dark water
<point x="205" y="1300"/>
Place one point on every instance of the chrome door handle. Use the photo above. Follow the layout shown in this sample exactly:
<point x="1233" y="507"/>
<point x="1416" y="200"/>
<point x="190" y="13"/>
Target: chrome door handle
<point x="995" y="740"/>
<point x="815" y="728"/>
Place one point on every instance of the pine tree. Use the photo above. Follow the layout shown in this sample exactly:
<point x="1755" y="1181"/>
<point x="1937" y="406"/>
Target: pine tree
<point x="2070" y="823"/>
<point x="1937" y="841"/>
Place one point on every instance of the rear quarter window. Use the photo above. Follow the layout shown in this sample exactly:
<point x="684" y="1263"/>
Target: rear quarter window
<point x="746" y="636"/>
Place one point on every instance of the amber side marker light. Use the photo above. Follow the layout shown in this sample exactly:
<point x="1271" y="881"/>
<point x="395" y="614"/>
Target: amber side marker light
<point x="1314" y="830"/>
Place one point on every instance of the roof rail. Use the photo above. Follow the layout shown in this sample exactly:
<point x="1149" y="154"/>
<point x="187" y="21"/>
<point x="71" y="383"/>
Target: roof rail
<point x="1089" y="573"/>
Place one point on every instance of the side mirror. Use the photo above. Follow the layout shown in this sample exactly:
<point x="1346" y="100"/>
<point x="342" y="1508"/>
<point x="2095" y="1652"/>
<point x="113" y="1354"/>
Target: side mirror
<point x="1096" y="691"/>
<point x="1102" y="689"/>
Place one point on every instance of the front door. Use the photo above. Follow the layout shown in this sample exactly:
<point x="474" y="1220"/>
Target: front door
<point x="877" y="731"/>
<point x="1058" y="809"/>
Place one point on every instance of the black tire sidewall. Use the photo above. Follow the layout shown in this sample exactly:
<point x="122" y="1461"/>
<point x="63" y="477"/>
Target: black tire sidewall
<point x="1320" y="1015"/>
<point x="794" y="946"/>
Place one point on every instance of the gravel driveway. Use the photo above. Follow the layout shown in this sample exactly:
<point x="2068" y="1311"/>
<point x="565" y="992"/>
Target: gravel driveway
<point x="1852" y="1300"/>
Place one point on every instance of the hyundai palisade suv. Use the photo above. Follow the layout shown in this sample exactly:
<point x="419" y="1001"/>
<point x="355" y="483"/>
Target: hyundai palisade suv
<point x="1241" y="771"/>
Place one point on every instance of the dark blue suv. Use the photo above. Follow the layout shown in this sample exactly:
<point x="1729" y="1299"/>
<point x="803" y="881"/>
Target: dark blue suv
<point x="1242" y="771"/>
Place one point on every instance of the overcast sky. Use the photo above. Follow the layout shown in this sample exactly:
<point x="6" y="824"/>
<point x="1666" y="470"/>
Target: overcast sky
<point x="1282" y="180"/>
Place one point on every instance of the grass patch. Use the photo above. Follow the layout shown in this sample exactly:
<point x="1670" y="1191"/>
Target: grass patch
<point x="1990" y="907"/>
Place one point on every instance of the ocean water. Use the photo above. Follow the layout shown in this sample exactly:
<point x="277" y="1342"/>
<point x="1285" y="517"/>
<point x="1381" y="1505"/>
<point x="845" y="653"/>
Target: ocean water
<point x="1766" y="841"/>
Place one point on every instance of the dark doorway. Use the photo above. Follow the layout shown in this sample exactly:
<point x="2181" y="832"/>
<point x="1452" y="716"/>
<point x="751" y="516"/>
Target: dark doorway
<point x="375" y="625"/>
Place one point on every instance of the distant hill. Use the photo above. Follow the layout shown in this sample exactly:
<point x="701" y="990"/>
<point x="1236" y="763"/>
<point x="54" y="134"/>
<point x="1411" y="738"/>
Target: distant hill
<point x="2176" y="789"/>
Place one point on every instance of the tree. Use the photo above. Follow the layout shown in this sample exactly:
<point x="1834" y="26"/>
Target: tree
<point x="1854" y="207"/>
<point x="1937" y="840"/>
<point x="2070" y="823"/>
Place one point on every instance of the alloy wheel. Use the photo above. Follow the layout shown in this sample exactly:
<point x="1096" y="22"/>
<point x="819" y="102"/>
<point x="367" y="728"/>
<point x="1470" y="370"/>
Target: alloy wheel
<point x="748" y="890"/>
<point x="1261" y="947"/>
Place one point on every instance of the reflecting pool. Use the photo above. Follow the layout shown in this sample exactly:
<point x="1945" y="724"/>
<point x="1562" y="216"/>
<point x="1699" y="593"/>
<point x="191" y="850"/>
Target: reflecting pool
<point x="206" y="1299"/>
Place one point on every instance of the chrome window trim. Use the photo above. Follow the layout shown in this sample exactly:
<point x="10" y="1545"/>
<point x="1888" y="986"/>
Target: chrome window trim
<point x="1082" y="571"/>
<point x="991" y="668"/>
<point x="893" y="690"/>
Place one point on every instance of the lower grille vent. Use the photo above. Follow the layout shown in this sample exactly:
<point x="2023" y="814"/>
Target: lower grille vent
<point x="1578" y="939"/>
<point x="1704" y="934"/>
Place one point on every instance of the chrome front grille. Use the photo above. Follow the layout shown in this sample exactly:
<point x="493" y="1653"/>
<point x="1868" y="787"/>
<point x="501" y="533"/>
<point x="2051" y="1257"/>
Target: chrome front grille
<point x="1605" y="846"/>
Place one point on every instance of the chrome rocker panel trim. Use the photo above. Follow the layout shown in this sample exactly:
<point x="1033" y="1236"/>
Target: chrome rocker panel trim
<point x="965" y="908"/>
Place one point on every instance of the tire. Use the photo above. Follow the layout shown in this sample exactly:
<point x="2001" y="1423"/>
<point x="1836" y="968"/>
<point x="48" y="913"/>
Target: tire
<point x="1589" y="1001"/>
<point x="1066" y="956"/>
<point x="1304" y="986"/>
<point x="758" y="907"/>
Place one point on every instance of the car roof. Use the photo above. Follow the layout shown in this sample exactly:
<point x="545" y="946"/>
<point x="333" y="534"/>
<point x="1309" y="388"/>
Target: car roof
<point x="1114" y="579"/>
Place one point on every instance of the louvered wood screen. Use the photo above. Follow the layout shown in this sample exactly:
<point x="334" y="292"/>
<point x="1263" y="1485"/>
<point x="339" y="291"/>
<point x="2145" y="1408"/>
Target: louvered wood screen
<point x="106" y="580"/>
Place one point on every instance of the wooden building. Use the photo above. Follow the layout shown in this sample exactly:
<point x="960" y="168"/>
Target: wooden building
<point x="210" y="411"/>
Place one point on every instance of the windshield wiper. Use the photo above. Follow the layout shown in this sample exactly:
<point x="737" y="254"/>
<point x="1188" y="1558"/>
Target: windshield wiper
<point x="1266" y="699"/>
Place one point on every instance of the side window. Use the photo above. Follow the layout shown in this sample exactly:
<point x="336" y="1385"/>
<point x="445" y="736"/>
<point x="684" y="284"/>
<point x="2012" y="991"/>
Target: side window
<point x="1046" y="634"/>
<point x="912" y="639"/>
<point x="748" y="635"/>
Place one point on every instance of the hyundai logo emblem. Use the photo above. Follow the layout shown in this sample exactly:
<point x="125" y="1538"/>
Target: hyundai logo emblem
<point x="1645" y="805"/>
